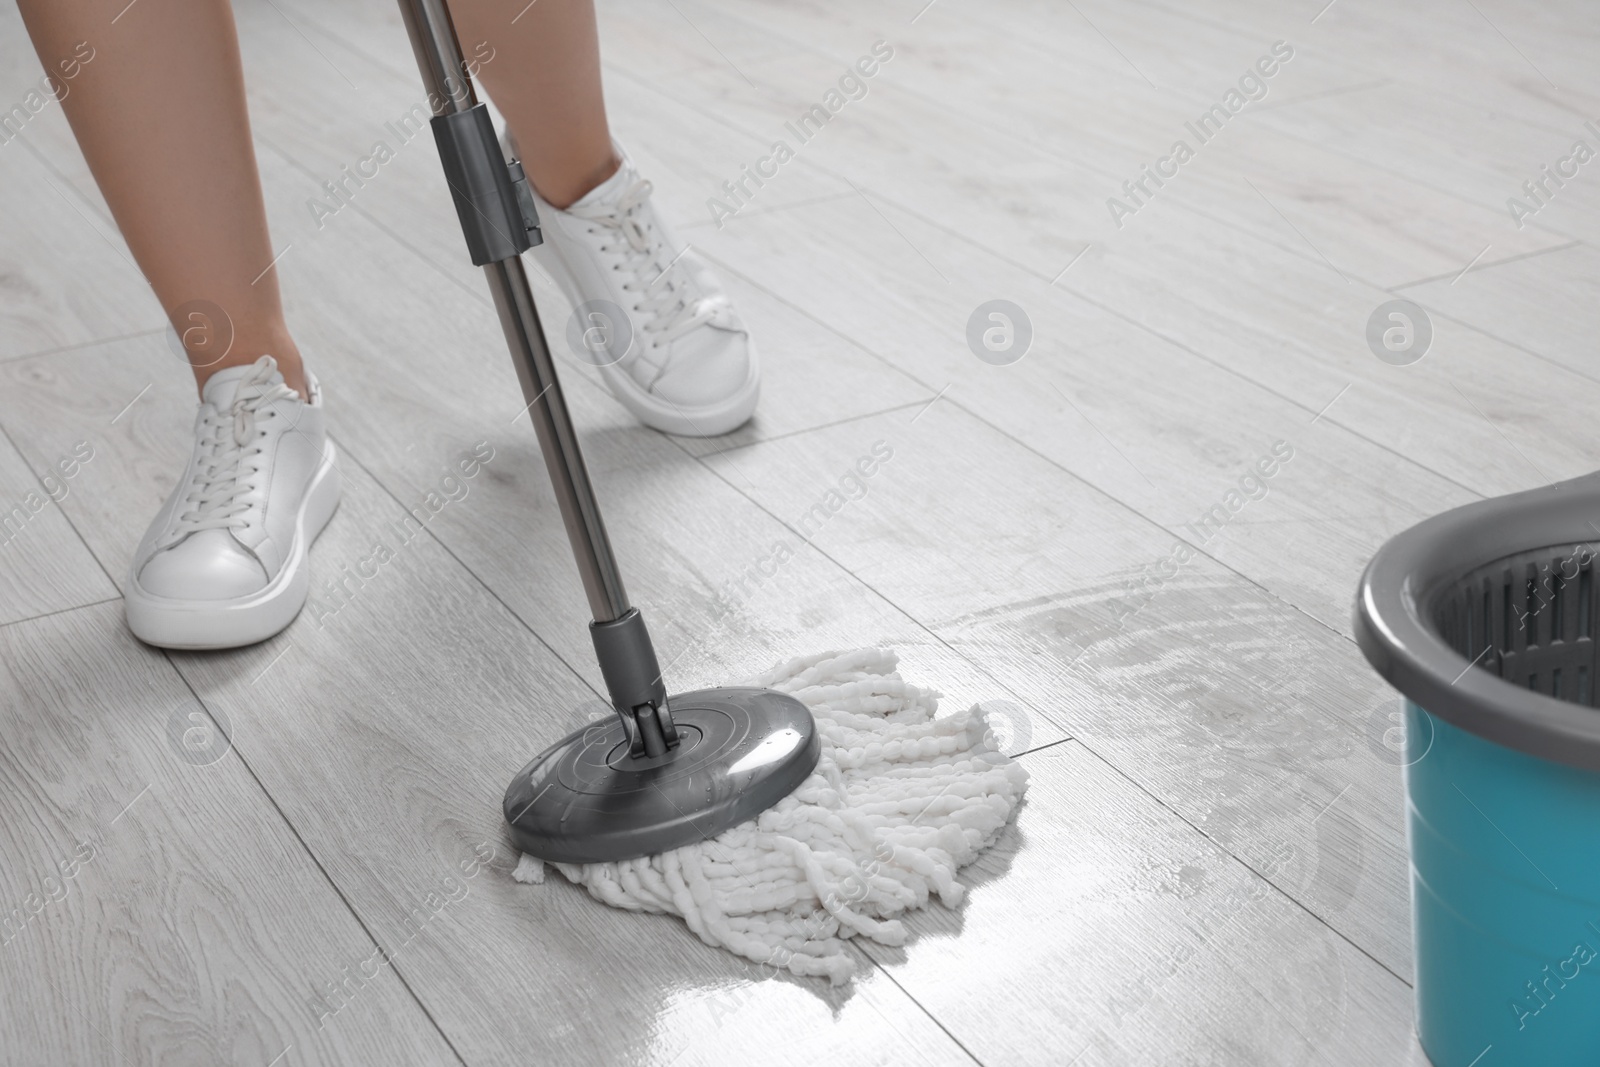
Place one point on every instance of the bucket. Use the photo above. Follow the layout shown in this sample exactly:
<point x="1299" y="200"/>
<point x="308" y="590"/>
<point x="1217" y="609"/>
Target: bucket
<point x="1486" y="618"/>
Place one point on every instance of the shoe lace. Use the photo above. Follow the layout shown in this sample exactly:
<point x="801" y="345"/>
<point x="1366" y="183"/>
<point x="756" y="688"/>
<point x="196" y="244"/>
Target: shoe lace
<point x="230" y="451"/>
<point x="669" y="304"/>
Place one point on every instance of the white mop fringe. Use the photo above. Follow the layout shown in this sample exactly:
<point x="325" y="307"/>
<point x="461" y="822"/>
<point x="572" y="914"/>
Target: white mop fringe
<point x="898" y="803"/>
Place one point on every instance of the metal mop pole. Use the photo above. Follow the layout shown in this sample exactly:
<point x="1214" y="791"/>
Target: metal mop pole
<point x="499" y="222"/>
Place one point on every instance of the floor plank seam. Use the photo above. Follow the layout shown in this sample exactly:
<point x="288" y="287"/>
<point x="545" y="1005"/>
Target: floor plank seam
<point x="179" y="674"/>
<point x="439" y="540"/>
<point x="399" y="70"/>
<point x="1226" y="851"/>
<point x="880" y="967"/>
<point x="908" y="616"/>
<point x="60" y="611"/>
<point x="1070" y="730"/>
<point x="1409" y="179"/>
<point x="1274" y="241"/>
<point x="1264" y="590"/>
<point x="814" y="429"/>
<point x="23" y="456"/>
<point x="311" y="854"/>
<point x="1081" y="480"/>
<point x="1131" y="320"/>
<point x="1024" y="138"/>
<point x="1487" y="266"/>
<point x="1221" y="365"/>
<point x="1587" y="376"/>
<point x="49" y="164"/>
<point x="78" y="346"/>
<point x="483" y="299"/>
<point x="294" y="163"/>
<point x="888" y="974"/>
<point x="1189" y="14"/>
<point x="1147" y="840"/>
<point x="1248" y="236"/>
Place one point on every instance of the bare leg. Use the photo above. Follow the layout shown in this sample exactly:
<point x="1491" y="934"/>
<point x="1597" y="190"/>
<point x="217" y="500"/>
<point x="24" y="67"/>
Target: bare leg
<point x="544" y="75"/>
<point x="159" y="113"/>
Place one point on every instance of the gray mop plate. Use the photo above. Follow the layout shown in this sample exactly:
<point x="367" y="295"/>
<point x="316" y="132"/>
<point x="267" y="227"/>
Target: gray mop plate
<point x="585" y="800"/>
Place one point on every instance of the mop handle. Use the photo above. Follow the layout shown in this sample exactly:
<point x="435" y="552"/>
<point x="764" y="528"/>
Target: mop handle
<point x="488" y="201"/>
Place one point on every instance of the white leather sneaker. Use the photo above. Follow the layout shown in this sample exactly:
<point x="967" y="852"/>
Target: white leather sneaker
<point x="685" y="364"/>
<point x="224" y="562"/>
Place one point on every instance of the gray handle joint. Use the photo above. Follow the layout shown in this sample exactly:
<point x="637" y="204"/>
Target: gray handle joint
<point x="633" y="680"/>
<point x="492" y="198"/>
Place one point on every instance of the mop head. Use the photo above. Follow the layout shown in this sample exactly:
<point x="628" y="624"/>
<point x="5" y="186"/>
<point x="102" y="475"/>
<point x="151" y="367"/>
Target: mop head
<point x="898" y="803"/>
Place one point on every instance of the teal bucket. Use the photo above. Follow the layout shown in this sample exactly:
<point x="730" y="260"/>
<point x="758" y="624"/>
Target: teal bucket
<point x="1505" y="859"/>
<point x="1485" y="618"/>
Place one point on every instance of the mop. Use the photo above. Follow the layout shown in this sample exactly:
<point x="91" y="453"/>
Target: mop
<point x="899" y="801"/>
<point x="780" y="818"/>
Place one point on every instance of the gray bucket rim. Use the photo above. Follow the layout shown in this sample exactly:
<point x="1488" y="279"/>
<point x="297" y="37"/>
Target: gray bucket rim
<point x="1405" y="573"/>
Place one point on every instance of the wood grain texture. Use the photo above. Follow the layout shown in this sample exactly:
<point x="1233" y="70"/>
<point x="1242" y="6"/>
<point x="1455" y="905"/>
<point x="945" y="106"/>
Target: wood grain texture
<point x="1151" y="932"/>
<point x="55" y="225"/>
<point x="385" y="725"/>
<point x="1239" y="712"/>
<point x="1245" y="301"/>
<point x="1173" y="251"/>
<point x="818" y="382"/>
<point x="1409" y="129"/>
<point x="367" y="42"/>
<point x="158" y="909"/>
<point x="1375" y="224"/>
<point x="51" y="233"/>
<point x="1212" y="869"/>
<point x="419" y="372"/>
<point x="1153" y="423"/>
<point x="1544" y="306"/>
<point x="44" y="566"/>
<point x="149" y="393"/>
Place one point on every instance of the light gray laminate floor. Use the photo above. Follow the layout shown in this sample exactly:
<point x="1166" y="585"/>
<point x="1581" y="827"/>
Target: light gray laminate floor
<point x="1210" y="868"/>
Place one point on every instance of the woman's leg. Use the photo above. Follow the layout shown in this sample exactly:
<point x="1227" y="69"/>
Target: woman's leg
<point x="159" y="112"/>
<point x="158" y="108"/>
<point x="545" y="78"/>
<point x="682" y="361"/>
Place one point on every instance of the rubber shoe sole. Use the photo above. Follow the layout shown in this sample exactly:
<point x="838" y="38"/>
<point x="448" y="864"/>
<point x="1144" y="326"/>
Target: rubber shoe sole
<point x="213" y="624"/>
<point x="659" y="413"/>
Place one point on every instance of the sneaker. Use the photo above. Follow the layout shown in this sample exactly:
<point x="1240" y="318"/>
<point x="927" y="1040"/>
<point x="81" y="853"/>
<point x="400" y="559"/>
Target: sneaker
<point x="224" y="562"/>
<point x="686" y="364"/>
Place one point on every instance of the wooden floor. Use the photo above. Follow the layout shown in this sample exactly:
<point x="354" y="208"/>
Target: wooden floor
<point x="1211" y="865"/>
